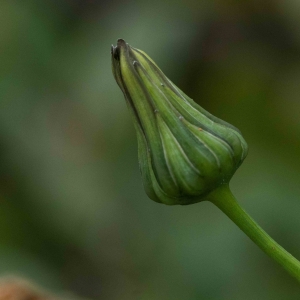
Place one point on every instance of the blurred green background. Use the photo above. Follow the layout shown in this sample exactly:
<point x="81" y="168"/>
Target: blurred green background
<point x="73" y="212"/>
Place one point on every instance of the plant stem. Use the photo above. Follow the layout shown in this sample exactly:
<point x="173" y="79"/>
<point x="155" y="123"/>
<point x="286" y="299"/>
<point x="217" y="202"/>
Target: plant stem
<point x="226" y="202"/>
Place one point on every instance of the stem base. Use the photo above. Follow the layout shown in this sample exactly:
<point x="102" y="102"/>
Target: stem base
<point x="226" y="202"/>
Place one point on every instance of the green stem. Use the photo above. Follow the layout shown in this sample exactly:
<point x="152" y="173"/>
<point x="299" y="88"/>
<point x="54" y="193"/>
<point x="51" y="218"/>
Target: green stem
<point x="224" y="200"/>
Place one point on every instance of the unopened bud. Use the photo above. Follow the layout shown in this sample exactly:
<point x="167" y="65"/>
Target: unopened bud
<point x="184" y="151"/>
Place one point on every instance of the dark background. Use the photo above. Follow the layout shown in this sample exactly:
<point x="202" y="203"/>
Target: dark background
<point x="73" y="212"/>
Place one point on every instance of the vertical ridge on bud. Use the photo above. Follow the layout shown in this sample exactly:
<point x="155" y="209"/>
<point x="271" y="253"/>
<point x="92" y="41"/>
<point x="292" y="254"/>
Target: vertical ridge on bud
<point x="145" y="111"/>
<point x="184" y="151"/>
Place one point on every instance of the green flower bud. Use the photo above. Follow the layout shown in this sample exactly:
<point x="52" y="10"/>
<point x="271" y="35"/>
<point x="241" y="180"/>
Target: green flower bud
<point x="184" y="151"/>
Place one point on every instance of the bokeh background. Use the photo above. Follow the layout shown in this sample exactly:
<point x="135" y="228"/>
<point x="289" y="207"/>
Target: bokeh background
<point x="73" y="213"/>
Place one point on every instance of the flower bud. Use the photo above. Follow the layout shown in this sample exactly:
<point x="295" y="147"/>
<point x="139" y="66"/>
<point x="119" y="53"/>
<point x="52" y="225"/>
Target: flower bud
<point x="184" y="151"/>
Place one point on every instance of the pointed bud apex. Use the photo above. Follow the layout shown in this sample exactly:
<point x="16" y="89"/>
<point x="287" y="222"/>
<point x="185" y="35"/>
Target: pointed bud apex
<point x="184" y="151"/>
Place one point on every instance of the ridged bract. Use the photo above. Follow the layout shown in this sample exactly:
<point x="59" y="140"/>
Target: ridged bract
<point x="184" y="151"/>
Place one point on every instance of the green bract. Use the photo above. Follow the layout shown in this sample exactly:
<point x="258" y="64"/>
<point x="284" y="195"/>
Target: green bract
<point x="184" y="151"/>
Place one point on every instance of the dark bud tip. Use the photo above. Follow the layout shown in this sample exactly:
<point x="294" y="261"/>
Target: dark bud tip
<point x="120" y="42"/>
<point x="115" y="52"/>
